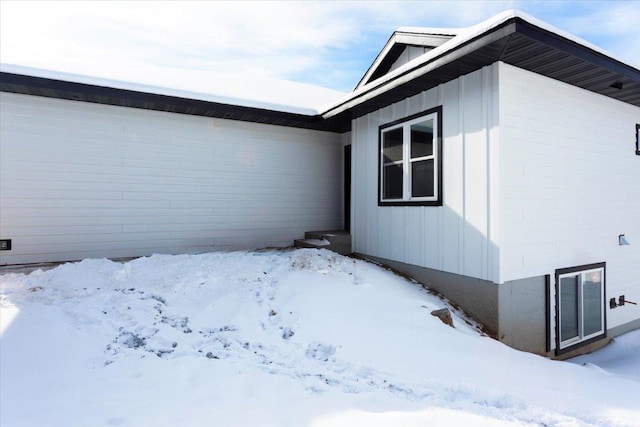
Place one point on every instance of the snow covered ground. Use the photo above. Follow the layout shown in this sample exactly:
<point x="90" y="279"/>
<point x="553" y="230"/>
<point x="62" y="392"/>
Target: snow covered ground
<point x="277" y="338"/>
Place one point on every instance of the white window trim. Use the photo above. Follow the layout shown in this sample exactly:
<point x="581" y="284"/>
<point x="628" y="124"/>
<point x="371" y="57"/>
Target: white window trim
<point x="407" y="161"/>
<point x="580" y="338"/>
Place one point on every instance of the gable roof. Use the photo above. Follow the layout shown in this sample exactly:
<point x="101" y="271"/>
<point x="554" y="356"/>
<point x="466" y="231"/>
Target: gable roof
<point x="512" y="37"/>
<point x="399" y="41"/>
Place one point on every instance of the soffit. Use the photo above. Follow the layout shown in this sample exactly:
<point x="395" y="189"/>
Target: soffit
<point x="515" y="42"/>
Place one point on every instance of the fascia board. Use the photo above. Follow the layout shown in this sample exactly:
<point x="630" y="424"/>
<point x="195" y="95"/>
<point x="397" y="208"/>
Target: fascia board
<point x="376" y="63"/>
<point x="376" y="89"/>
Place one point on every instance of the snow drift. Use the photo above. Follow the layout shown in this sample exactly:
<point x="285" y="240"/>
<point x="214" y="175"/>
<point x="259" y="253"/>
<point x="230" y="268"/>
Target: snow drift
<point x="270" y="338"/>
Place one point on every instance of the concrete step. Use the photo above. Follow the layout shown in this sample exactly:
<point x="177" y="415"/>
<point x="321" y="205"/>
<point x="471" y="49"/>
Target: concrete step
<point x="335" y="240"/>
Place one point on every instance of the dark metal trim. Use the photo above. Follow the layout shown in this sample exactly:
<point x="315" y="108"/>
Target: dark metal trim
<point x="637" y="139"/>
<point x="60" y="89"/>
<point x="576" y="269"/>
<point x="459" y="51"/>
<point x="438" y="202"/>
<point x="411" y="203"/>
<point x="385" y="64"/>
<point x="347" y="186"/>
<point x="509" y="41"/>
<point x="575" y="49"/>
<point x="547" y="305"/>
<point x="512" y="39"/>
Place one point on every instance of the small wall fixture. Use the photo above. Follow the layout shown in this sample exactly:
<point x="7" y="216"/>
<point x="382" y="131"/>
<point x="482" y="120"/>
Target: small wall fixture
<point x="617" y="85"/>
<point x="622" y="240"/>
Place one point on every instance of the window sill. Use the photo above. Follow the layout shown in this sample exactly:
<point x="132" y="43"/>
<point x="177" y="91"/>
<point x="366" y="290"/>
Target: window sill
<point x="410" y="203"/>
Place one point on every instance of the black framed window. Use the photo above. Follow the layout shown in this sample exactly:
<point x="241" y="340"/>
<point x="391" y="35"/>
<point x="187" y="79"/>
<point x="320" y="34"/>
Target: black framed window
<point x="580" y="306"/>
<point x="410" y="160"/>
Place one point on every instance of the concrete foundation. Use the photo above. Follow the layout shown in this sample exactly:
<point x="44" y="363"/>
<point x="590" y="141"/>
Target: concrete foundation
<point x="479" y="298"/>
<point x="523" y="314"/>
<point x="514" y="312"/>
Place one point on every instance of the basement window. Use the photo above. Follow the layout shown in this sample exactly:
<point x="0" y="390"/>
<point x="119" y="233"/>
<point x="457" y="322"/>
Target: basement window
<point x="580" y="306"/>
<point x="410" y="160"/>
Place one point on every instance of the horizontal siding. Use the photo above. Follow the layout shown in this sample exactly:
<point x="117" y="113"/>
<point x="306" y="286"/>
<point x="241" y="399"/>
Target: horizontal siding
<point x="571" y="183"/>
<point x="84" y="180"/>
<point x="463" y="235"/>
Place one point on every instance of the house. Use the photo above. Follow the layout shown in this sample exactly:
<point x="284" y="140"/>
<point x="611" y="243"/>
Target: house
<point x="499" y="163"/>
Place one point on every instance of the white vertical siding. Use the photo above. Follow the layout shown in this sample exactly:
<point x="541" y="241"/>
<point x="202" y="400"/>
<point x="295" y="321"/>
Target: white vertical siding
<point x="80" y="179"/>
<point x="456" y="237"/>
<point x="571" y="183"/>
<point x="409" y="54"/>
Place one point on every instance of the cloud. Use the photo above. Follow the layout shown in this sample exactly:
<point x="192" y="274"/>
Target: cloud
<point x="612" y="26"/>
<point x="327" y="43"/>
<point x="246" y="38"/>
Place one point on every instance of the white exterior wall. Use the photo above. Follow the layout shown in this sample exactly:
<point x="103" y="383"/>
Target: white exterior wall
<point x="409" y="54"/>
<point x="571" y="183"/>
<point x="462" y="236"/>
<point x="86" y="180"/>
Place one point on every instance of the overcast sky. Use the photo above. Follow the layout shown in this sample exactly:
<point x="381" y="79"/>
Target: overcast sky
<point x="329" y="44"/>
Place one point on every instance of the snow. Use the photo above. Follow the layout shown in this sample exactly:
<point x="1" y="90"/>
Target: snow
<point x="430" y="30"/>
<point x="275" y="338"/>
<point x="621" y="357"/>
<point x="318" y="242"/>
<point x="241" y="90"/>
<point x="413" y="69"/>
<point x="281" y="95"/>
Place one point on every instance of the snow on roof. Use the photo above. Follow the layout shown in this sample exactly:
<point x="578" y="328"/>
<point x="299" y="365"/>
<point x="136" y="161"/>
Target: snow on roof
<point x="463" y="35"/>
<point x="430" y="31"/>
<point x="254" y="92"/>
<point x="287" y="96"/>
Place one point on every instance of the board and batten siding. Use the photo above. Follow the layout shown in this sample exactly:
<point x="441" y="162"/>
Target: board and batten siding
<point x="84" y="180"/>
<point x="571" y="182"/>
<point x="462" y="236"/>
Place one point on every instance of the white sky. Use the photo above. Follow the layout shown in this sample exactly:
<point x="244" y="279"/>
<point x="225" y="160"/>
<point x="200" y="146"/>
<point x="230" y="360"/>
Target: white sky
<point x="329" y="44"/>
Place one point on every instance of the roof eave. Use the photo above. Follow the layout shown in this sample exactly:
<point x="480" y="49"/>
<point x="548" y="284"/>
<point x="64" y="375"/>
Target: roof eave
<point x="511" y="42"/>
<point x="376" y="88"/>
<point x="83" y="92"/>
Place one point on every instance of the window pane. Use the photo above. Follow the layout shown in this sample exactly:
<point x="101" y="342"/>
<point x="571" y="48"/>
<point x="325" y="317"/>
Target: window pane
<point x="392" y="182"/>
<point x="422" y="139"/>
<point x="568" y="308"/>
<point x="422" y="180"/>
<point x="392" y="146"/>
<point x="592" y="294"/>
